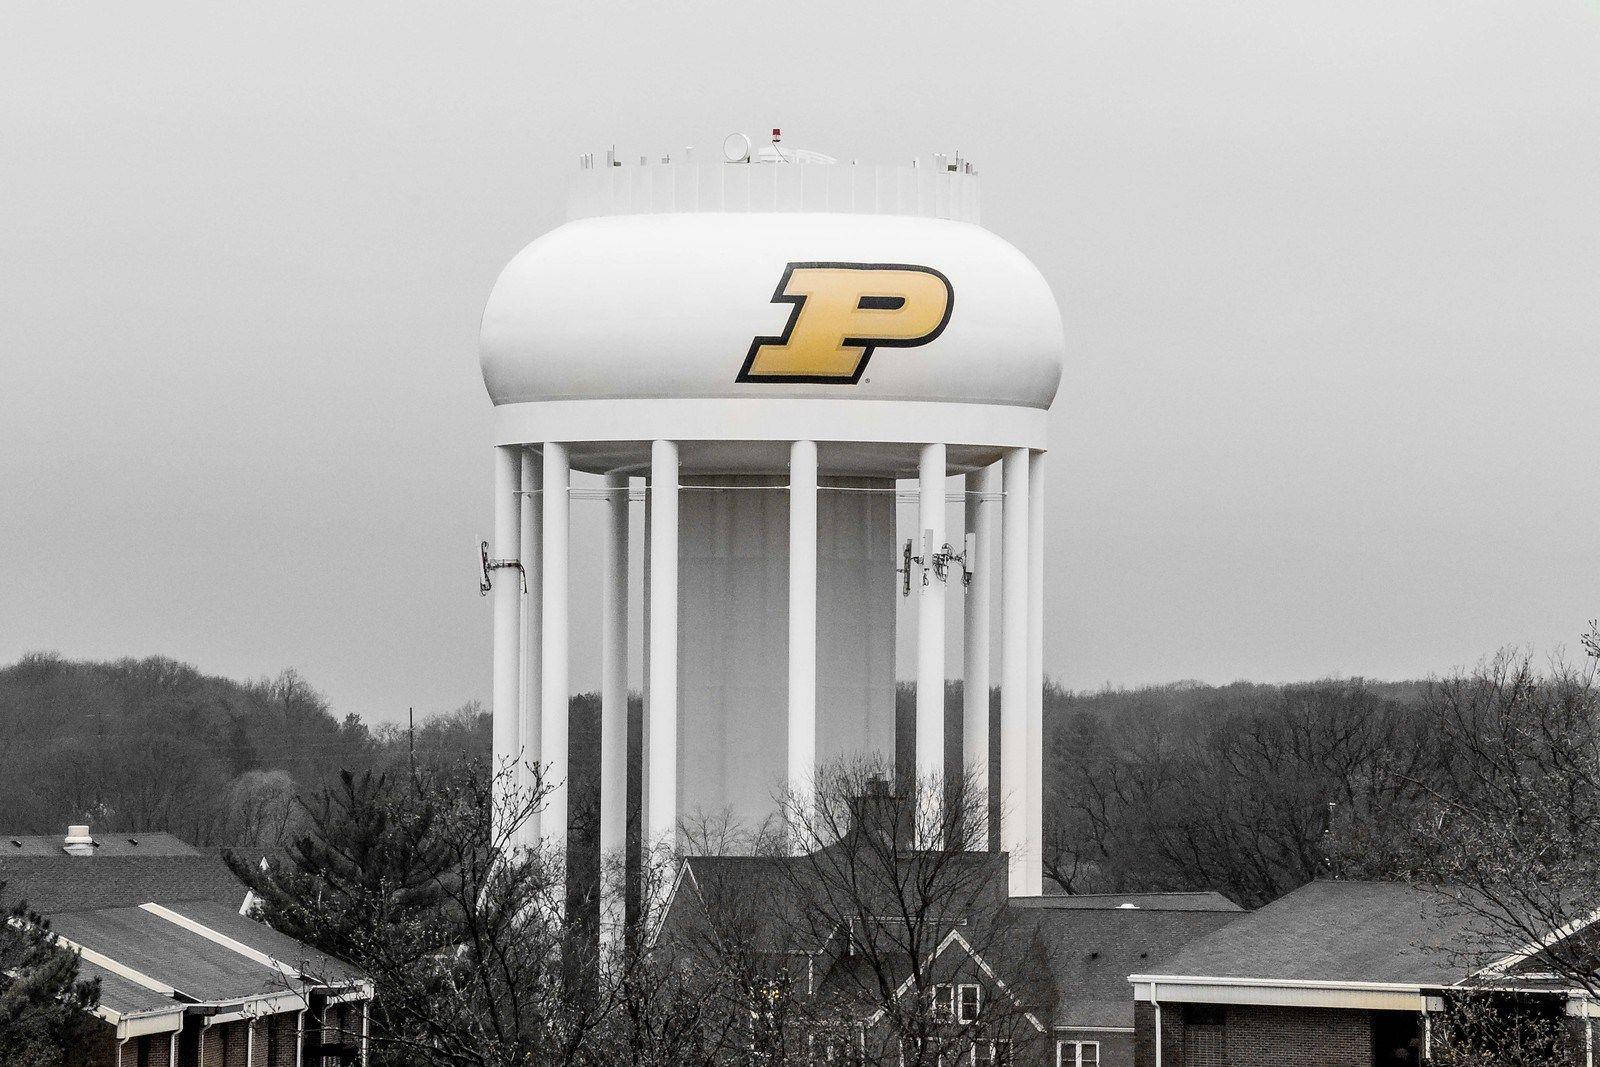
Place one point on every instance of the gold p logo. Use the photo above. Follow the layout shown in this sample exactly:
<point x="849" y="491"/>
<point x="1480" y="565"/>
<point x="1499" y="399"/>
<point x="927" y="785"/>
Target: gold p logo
<point x="842" y="311"/>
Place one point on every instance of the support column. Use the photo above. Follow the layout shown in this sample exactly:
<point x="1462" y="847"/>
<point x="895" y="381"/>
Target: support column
<point x="528" y="724"/>
<point x="930" y="635"/>
<point x="643" y="873"/>
<point x="554" y="699"/>
<point x="981" y="489"/>
<point x="802" y="629"/>
<point x="1014" y="666"/>
<point x="662" y="759"/>
<point x="507" y="591"/>
<point x="1033" y="883"/>
<point x="613" y="700"/>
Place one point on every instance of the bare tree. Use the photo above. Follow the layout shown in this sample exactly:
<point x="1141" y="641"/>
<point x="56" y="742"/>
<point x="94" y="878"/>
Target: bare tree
<point x="859" y="934"/>
<point x="468" y="938"/>
<point x="1500" y="1029"/>
<point x="1245" y="803"/>
<point x="1512" y="827"/>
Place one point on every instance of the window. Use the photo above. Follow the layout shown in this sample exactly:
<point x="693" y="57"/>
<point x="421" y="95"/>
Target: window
<point x="969" y="999"/>
<point x="944" y="1001"/>
<point x="1000" y="1053"/>
<point x="1077" y="1054"/>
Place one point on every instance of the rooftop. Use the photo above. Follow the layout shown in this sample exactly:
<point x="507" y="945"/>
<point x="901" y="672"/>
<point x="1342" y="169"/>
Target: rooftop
<point x="1331" y="931"/>
<point x="157" y="843"/>
<point x="1209" y="900"/>
<point x="163" y="930"/>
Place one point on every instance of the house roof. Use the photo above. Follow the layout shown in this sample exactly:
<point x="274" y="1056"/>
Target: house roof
<point x="1065" y="958"/>
<point x="1331" y="931"/>
<point x="1076" y="960"/>
<point x="157" y="843"/>
<point x="200" y="969"/>
<point x="226" y="920"/>
<point x="1209" y="900"/>
<point x="52" y="884"/>
<point x="146" y="924"/>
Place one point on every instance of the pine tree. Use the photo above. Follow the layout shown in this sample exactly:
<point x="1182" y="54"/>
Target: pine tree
<point x="44" y="1006"/>
<point x="371" y="860"/>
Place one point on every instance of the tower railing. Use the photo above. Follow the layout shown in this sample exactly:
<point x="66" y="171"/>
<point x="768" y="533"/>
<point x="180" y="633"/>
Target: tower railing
<point x="936" y="191"/>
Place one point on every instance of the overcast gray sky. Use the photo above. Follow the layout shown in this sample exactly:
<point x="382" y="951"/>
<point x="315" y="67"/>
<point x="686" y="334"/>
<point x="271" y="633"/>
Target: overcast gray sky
<point x="1328" y="273"/>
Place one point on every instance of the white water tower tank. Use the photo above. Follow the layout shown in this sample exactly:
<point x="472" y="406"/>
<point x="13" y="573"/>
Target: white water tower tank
<point x="768" y="346"/>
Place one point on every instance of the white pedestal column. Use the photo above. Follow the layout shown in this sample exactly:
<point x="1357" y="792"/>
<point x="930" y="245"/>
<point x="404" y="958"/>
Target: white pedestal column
<point x="662" y="758"/>
<point x="930" y="633"/>
<point x="802" y="628"/>
<point x="1034" y="831"/>
<point x="981" y="489"/>
<point x="507" y="592"/>
<point x="554" y="697"/>
<point x="1014" y="705"/>
<point x="613" y="701"/>
<point x="529" y="727"/>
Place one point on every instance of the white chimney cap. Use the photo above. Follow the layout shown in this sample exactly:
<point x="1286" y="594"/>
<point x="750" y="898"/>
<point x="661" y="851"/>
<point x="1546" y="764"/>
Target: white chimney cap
<point x="78" y="842"/>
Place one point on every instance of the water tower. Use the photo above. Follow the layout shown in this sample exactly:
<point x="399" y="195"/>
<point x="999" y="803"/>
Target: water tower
<point x="762" y="344"/>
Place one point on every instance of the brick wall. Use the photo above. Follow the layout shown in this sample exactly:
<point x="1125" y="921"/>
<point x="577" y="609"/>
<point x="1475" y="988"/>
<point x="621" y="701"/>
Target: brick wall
<point x="151" y="1050"/>
<point x="1271" y="1037"/>
<point x="102" y="1050"/>
<point x="275" y="1040"/>
<point x="1144" y="1035"/>
<point x="1250" y="1036"/>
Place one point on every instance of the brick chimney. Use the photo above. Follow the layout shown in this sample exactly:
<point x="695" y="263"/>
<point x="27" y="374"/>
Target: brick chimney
<point x="878" y="813"/>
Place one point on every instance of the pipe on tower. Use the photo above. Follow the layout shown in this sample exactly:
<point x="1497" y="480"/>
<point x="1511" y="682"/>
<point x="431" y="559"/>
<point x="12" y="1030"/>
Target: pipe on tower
<point x="982" y="487"/>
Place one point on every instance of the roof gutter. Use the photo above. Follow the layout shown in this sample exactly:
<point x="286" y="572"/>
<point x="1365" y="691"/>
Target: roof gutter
<point x="1277" y="992"/>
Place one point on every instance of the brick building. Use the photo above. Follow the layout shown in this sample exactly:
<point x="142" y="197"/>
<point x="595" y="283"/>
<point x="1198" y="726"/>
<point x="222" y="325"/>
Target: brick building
<point x="1335" y="974"/>
<point x="186" y="980"/>
<point x="1058" y="964"/>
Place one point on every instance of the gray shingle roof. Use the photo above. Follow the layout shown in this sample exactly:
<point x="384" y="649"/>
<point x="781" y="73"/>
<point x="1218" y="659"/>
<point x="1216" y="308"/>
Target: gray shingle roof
<point x="1066" y="958"/>
<point x="1205" y="901"/>
<point x="121" y="995"/>
<point x="1075" y="962"/>
<point x="166" y="952"/>
<point x="1341" y="931"/>
<point x="227" y="921"/>
<point x="53" y="884"/>
<point x="156" y="843"/>
<point x="95" y="903"/>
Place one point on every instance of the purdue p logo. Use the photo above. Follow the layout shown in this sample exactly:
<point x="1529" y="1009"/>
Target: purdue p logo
<point x="842" y="311"/>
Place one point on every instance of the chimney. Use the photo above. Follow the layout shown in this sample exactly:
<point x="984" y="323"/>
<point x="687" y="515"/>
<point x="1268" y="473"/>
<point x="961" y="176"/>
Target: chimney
<point x="877" y="813"/>
<point x="78" y="842"/>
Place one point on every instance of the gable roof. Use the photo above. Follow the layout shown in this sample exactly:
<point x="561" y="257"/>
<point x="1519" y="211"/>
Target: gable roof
<point x="164" y="934"/>
<point x="1329" y="931"/>
<point x="1066" y="958"/>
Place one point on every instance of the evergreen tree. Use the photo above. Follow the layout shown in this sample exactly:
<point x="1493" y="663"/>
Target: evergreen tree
<point x="371" y="860"/>
<point x="44" y="1006"/>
